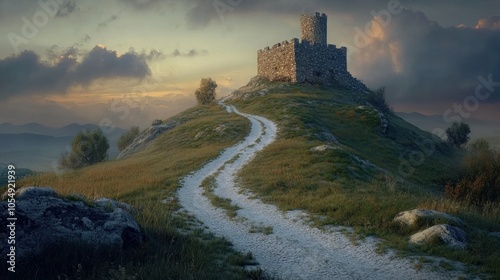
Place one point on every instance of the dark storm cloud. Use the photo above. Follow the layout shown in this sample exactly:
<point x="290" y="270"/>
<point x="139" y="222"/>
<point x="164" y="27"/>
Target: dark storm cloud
<point x="54" y="53"/>
<point x="424" y="63"/>
<point x="27" y="74"/>
<point x="492" y="23"/>
<point x="103" y="63"/>
<point x="200" y="13"/>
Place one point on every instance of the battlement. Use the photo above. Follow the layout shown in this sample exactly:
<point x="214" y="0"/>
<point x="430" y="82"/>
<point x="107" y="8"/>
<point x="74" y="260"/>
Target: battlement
<point x="285" y="43"/>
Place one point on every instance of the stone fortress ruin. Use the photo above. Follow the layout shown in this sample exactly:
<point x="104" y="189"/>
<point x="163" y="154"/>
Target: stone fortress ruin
<point x="311" y="60"/>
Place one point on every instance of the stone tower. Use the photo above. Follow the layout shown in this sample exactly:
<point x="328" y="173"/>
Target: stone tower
<point x="311" y="60"/>
<point x="314" y="28"/>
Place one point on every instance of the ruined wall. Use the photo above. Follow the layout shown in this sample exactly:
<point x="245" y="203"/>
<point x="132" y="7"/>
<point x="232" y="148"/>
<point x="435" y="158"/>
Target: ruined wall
<point x="278" y="63"/>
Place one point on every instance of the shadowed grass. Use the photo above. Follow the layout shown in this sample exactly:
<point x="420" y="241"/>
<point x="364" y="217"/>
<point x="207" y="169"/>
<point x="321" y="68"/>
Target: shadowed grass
<point x="144" y="180"/>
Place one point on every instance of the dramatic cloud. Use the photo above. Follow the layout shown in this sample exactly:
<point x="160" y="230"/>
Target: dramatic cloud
<point x="200" y="13"/>
<point x="27" y="74"/>
<point x="422" y="62"/>
<point x="492" y="23"/>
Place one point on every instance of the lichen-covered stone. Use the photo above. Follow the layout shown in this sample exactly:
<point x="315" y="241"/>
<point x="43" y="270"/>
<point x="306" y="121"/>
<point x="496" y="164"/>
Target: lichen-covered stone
<point x="416" y="217"/>
<point x="449" y="235"/>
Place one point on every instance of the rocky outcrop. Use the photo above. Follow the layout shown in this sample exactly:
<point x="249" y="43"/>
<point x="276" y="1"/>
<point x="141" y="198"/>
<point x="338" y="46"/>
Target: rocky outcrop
<point x="448" y="235"/>
<point x="146" y="137"/>
<point x="419" y="217"/>
<point x="322" y="148"/>
<point x="437" y="227"/>
<point x="45" y="219"/>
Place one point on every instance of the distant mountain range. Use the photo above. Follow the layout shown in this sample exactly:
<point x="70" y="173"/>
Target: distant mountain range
<point x="479" y="128"/>
<point x="36" y="128"/>
<point x="39" y="147"/>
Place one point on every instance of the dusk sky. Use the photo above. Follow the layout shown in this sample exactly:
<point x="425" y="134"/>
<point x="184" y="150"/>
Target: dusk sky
<point x="133" y="61"/>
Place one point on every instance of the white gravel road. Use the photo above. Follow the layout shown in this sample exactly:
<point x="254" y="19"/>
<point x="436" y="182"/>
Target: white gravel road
<point x="294" y="250"/>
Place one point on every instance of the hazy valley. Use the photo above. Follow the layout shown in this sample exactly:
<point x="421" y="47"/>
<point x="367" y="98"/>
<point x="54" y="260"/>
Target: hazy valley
<point x="39" y="147"/>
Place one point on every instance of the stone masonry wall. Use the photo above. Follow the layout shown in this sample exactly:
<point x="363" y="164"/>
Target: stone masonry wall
<point x="320" y="64"/>
<point x="278" y="63"/>
<point x="314" y="28"/>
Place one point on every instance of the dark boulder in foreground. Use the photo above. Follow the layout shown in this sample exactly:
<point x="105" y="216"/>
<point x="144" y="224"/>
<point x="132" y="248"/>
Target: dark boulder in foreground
<point x="45" y="219"/>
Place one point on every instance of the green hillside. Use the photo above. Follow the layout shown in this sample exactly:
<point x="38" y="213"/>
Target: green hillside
<point x="362" y="175"/>
<point x="407" y="167"/>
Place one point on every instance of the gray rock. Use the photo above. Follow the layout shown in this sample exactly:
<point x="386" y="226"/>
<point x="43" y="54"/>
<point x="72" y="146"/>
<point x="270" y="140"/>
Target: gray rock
<point x="146" y="137"/>
<point x="417" y="217"/>
<point x="112" y="204"/>
<point x="322" y="148"/>
<point x="451" y="236"/>
<point x="44" y="219"/>
<point x="31" y="192"/>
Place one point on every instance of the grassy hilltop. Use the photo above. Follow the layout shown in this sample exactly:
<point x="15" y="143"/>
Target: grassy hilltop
<point x="360" y="176"/>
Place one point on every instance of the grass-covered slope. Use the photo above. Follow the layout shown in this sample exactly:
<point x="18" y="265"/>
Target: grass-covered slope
<point x="362" y="170"/>
<point x="364" y="177"/>
<point x="144" y="180"/>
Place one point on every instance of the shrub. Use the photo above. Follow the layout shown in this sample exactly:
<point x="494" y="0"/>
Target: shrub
<point x="206" y="93"/>
<point x="458" y="134"/>
<point x="481" y="180"/>
<point x="377" y="99"/>
<point x="127" y="138"/>
<point x="87" y="148"/>
<point x="156" y="122"/>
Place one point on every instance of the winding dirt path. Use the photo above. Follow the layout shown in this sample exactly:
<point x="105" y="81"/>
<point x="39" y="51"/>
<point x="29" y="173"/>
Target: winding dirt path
<point x="293" y="250"/>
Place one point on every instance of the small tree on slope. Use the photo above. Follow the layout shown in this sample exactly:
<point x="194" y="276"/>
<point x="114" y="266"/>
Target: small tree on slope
<point x="87" y="148"/>
<point x="458" y="134"/>
<point x="206" y="93"/>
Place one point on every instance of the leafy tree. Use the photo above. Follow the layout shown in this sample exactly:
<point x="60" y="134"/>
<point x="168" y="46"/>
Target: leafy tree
<point x="87" y="148"/>
<point x="458" y="134"/>
<point x="127" y="138"/>
<point x="480" y="182"/>
<point x="206" y="93"/>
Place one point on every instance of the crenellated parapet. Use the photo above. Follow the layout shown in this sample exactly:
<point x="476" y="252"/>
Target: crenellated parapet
<point x="284" y="44"/>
